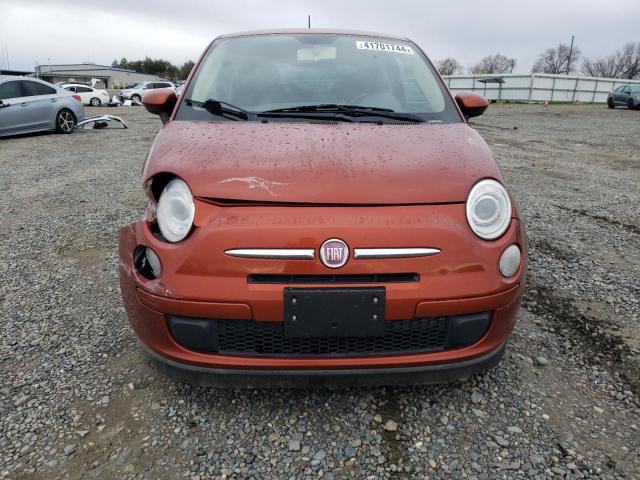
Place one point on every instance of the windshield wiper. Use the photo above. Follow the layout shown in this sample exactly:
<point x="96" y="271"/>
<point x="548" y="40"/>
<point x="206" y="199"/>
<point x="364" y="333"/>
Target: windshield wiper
<point x="216" y="107"/>
<point x="347" y="110"/>
<point x="328" y="107"/>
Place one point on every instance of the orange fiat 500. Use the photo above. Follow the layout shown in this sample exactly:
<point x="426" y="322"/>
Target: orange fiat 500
<point x="321" y="212"/>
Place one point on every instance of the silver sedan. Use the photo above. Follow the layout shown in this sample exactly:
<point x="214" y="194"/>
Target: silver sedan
<point x="31" y="105"/>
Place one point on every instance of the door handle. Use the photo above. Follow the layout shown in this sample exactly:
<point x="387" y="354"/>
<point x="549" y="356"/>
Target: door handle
<point x="24" y="104"/>
<point x="54" y="99"/>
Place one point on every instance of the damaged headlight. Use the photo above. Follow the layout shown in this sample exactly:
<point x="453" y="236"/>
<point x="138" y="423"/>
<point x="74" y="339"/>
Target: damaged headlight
<point x="175" y="211"/>
<point x="488" y="209"/>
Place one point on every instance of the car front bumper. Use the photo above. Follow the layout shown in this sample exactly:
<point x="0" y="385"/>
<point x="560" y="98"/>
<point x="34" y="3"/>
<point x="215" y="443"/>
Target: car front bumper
<point x="427" y="374"/>
<point x="200" y="282"/>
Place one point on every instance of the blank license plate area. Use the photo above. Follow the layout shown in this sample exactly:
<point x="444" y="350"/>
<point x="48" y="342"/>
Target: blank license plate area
<point x="334" y="312"/>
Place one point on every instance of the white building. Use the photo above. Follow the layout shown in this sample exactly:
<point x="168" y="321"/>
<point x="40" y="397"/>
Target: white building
<point x="108" y="77"/>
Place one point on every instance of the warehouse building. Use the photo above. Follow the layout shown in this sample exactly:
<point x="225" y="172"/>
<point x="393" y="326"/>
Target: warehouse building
<point x="18" y="73"/>
<point x="107" y="77"/>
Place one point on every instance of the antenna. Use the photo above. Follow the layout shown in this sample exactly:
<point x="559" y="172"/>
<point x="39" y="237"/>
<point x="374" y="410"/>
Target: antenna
<point x="308" y="21"/>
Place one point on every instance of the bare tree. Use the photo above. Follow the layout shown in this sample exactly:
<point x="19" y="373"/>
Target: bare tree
<point x="492" y="64"/>
<point x="630" y="60"/>
<point x="607" y="67"/>
<point x="448" y="66"/>
<point x="555" y="60"/>
<point x="624" y="63"/>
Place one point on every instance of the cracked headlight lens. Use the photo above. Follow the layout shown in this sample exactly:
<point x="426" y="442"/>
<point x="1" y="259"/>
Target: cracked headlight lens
<point x="175" y="211"/>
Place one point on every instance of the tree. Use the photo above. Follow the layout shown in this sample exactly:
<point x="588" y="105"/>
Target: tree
<point x="607" y="67"/>
<point x="185" y="69"/>
<point x="624" y="63"/>
<point x="493" y="64"/>
<point x="556" y="60"/>
<point x="448" y="66"/>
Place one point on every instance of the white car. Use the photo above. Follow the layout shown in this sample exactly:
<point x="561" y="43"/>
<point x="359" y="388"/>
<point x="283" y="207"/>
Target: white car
<point x="89" y="95"/>
<point x="138" y="91"/>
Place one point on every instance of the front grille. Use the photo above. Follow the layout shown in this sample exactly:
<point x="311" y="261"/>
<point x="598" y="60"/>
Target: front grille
<point x="334" y="279"/>
<point x="253" y="338"/>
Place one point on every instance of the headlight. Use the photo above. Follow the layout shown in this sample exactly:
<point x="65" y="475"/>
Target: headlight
<point x="175" y="211"/>
<point x="488" y="209"/>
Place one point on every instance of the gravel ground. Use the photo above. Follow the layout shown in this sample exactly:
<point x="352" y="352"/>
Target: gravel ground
<point x="78" y="400"/>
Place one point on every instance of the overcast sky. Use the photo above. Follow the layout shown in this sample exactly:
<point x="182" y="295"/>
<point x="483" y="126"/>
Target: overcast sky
<point x="71" y="31"/>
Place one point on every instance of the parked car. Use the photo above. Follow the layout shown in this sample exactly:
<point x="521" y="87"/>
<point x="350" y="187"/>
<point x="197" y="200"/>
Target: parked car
<point x="89" y="95"/>
<point x="310" y="221"/>
<point x="31" y="105"/>
<point x="627" y="95"/>
<point x="179" y="88"/>
<point x="139" y="90"/>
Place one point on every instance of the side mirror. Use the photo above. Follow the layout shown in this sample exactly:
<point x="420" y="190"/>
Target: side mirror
<point x="471" y="104"/>
<point x="160" y="102"/>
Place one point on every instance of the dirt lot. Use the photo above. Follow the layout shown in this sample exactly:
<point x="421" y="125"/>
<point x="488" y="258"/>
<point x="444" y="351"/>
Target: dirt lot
<point x="78" y="400"/>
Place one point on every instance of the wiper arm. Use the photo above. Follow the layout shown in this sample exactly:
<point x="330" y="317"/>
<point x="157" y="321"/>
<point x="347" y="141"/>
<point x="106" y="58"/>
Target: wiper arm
<point x="328" y="107"/>
<point x="349" y="111"/>
<point x="216" y="107"/>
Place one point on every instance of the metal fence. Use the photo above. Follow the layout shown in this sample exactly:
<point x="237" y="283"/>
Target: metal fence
<point x="537" y="87"/>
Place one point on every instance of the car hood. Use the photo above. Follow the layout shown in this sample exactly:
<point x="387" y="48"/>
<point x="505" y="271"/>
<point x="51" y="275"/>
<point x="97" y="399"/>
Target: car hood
<point x="323" y="163"/>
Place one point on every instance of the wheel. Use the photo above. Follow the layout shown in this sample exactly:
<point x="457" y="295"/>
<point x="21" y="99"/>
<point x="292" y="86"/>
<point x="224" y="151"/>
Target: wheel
<point x="610" y="102"/>
<point x="136" y="98"/>
<point x="95" y="102"/>
<point x="630" y="104"/>
<point x="65" y="121"/>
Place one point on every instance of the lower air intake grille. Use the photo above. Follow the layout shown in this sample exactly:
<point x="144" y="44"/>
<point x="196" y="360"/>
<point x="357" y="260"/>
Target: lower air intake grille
<point x="262" y="338"/>
<point x="253" y="338"/>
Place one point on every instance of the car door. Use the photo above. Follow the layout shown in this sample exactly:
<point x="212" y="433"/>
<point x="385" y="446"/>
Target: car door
<point x="148" y="87"/>
<point x="617" y="95"/>
<point x="86" y="94"/>
<point x="626" y="94"/>
<point x="12" y="116"/>
<point x="39" y="102"/>
<point x="622" y="95"/>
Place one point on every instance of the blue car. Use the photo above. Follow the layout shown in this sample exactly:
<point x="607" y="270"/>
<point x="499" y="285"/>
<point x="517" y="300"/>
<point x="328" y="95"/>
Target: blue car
<point x="627" y="95"/>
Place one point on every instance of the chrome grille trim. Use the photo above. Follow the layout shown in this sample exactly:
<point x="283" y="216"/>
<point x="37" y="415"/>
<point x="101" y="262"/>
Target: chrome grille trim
<point x="364" y="253"/>
<point x="273" y="253"/>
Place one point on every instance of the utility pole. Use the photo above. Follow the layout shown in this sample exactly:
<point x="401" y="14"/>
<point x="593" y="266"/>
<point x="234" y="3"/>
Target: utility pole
<point x="570" y="55"/>
<point x="308" y="21"/>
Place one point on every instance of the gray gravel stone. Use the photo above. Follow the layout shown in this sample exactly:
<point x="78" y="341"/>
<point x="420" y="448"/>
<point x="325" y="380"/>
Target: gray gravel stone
<point x="70" y="449"/>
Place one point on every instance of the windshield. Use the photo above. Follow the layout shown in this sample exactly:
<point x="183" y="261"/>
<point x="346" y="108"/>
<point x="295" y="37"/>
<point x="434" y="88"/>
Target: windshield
<point x="271" y="72"/>
<point x="135" y="85"/>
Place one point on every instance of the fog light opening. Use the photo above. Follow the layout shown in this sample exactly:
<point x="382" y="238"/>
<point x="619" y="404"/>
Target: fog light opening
<point x="147" y="262"/>
<point x="510" y="260"/>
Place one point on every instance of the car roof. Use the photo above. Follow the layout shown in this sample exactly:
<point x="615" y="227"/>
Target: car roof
<point x="321" y="31"/>
<point x="4" y="78"/>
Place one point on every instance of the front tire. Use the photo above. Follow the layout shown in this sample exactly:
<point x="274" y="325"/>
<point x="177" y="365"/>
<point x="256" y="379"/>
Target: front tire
<point x="136" y="98"/>
<point x="610" y="102"/>
<point x="65" y="121"/>
<point x="630" y="104"/>
<point x="95" y="102"/>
